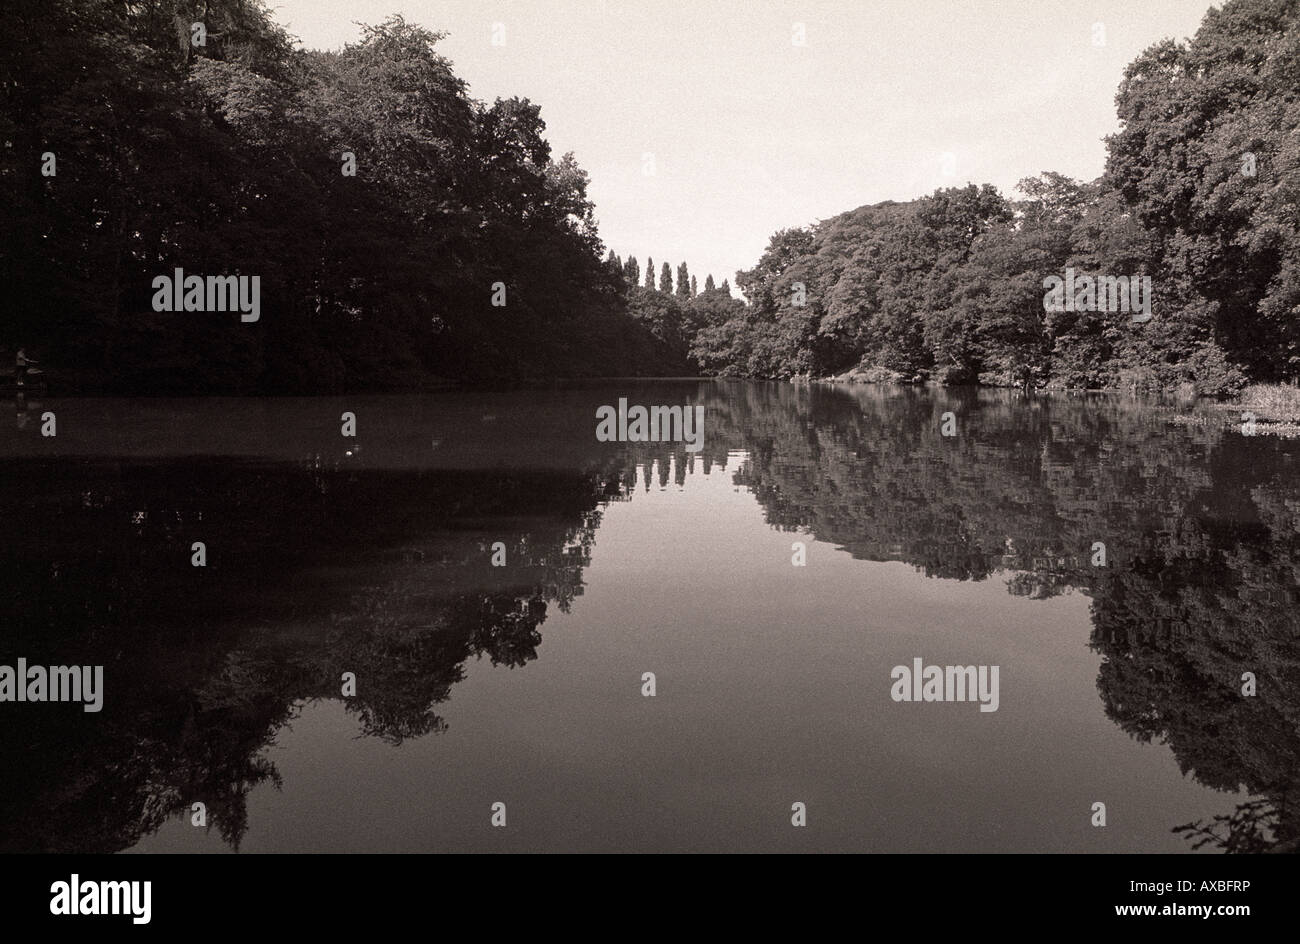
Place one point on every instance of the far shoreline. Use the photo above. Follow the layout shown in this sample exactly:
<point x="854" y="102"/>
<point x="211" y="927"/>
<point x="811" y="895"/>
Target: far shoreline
<point x="1273" y="408"/>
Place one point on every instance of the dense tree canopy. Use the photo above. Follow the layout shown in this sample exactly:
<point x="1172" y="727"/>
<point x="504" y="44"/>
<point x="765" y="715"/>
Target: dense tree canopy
<point x="402" y="231"/>
<point x="405" y="233"/>
<point x="1199" y="194"/>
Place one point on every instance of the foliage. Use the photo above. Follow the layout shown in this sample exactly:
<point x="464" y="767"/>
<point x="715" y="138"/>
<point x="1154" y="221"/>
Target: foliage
<point x="1199" y="194"/>
<point x="228" y="158"/>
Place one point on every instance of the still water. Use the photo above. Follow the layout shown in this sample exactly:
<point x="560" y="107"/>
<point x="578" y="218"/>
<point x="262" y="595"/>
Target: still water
<point x="522" y="684"/>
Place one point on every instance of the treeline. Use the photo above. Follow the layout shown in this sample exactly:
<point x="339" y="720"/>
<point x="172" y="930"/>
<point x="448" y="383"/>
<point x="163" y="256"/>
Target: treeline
<point x="1200" y="194"/>
<point x="687" y="288"/>
<point x="673" y="314"/>
<point x="403" y="232"/>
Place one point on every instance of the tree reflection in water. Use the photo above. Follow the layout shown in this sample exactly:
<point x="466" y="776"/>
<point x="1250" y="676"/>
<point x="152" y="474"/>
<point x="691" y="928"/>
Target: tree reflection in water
<point x="323" y="566"/>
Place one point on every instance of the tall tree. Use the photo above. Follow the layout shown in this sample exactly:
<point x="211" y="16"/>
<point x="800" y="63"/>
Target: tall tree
<point x="694" y="290"/>
<point x="683" y="282"/>
<point x="666" y="280"/>
<point x="1206" y="159"/>
<point x="650" y="272"/>
<point x="708" y="283"/>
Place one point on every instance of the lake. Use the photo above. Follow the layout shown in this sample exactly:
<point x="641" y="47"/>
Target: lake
<point x="398" y="637"/>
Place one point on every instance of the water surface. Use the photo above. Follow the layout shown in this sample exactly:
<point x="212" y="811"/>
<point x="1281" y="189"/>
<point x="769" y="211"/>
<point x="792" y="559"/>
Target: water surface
<point x="522" y="684"/>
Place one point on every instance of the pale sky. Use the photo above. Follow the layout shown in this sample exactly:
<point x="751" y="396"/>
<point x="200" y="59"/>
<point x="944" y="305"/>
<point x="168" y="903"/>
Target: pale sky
<point x="751" y="133"/>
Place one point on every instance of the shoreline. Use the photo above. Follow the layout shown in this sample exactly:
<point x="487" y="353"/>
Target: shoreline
<point x="1267" y="420"/>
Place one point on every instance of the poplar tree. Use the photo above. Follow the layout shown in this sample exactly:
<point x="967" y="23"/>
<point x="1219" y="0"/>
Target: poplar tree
<point x="666" y="279"/>
<point x="650" y="272"/>
<point x="683" y="282"/>
<point x="708" y="283"/>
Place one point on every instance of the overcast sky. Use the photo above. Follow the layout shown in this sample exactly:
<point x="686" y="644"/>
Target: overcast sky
<point x="752" y="133"/>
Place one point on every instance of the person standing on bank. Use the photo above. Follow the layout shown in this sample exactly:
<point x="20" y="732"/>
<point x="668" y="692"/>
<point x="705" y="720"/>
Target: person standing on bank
<point x="21" y="363"/>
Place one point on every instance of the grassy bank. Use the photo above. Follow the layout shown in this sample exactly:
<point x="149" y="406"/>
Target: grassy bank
<point x="1275" y="409"/>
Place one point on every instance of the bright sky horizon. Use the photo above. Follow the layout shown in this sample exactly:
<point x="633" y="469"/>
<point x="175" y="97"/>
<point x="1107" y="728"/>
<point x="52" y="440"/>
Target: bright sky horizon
<point x="752" y="132"/>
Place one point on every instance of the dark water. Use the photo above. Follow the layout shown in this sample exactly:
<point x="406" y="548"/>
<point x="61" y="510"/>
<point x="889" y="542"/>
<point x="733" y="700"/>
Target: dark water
<point x="1119" y="684"/>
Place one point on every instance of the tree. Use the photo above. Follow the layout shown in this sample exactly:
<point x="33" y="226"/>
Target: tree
<point x="1206" y="160"/>
<point x="663" y="315"/>
<point x="649" y="273"/>
<point x="683" y="282"/>
<point x="783" y="248"/>
<point x="666" y="280"/>
<point x="708" y="283"/>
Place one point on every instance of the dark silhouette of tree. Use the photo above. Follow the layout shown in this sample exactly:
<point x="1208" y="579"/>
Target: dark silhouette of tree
<point x="377" y="203"/>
